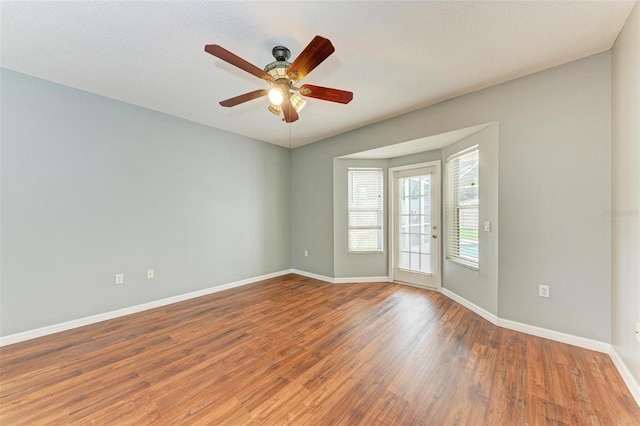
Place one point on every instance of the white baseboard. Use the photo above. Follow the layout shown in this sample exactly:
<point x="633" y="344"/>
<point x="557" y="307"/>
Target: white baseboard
<point x="558" y="336"/>
<point x="312" y="275"/>
<point x="580" y="342"/>
<point x="43" y="331"/>
<point x="341" y="280"/>
<point x="361" y="280"/>
<point x="628" y="378"/>
<point x="471" y="306"/>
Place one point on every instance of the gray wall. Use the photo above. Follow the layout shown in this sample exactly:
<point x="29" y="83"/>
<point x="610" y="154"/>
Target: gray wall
<point x="625" y="196"/>
<point x="92" y="187"/>
<point x="479" y="287"/>
<point x="312" y="208"/>
<point x="554" y="184"/>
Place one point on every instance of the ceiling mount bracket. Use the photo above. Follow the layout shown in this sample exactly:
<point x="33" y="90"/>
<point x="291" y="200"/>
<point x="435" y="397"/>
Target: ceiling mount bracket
<point x="281" y="53"/>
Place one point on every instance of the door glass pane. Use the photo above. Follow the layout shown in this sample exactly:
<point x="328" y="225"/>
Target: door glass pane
<point x="404" y="205"/>
<point x="425" y="263"/>
<point x="426" y="224"/>
<point x="404" y="223"/>
<point x="415" y="262"/>
<point x="415" y="223"/>
<point x="414" y="185"/>
<point x="415" y="243"/>
<point x="404" y="260"/>
<point x="414" y="206"/>
<point x="404" y="242"/>
<point x="426" y="184"/>
<point x="427" y="203"/>
<point x="425" y="248"/>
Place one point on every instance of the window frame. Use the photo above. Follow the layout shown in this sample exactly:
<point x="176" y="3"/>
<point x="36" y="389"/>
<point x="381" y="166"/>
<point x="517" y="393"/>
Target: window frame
<point x="453" y="209"/>
<point x="379" y="210"/>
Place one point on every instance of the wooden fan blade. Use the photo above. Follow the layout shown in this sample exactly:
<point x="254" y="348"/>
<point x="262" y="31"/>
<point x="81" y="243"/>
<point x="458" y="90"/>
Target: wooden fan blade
<point x="290" y="114"/>
<point x="317" y="51"/>
<point x="233" y="59"/>
<point x="244" y="98"/>
<point x="326" y="93"/>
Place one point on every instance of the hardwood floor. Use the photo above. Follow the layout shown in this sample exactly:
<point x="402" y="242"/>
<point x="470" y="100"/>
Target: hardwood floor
<point x="293" y="350"/>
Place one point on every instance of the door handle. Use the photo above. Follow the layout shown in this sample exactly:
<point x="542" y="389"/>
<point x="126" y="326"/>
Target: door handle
<point x="434" y="236"/>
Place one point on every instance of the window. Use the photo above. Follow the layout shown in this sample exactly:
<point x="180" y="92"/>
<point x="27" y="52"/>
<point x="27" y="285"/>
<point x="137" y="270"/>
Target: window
<point x="462" y="211"/>
<point x="365" y="210"/>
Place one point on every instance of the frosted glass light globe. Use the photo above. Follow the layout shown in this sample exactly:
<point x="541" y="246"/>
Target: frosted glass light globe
<point x="276" y="97"/>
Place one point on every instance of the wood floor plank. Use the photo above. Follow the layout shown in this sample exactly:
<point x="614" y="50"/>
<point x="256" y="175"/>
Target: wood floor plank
<point x="293" y="350"/>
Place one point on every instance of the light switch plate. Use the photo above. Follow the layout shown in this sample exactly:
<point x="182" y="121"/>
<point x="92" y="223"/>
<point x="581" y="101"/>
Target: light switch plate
<point x="487" y="226"/>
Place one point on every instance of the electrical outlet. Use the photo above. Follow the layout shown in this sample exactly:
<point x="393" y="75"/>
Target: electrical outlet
<point x="306" y="253"/>
<point x="119" y="279"/>
<point x="638" y="331"/>
<point x="150" y="274"/>
<point x="543" y="291"/>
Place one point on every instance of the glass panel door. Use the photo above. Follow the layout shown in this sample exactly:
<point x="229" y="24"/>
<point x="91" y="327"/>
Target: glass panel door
<point x="416" y="230"/>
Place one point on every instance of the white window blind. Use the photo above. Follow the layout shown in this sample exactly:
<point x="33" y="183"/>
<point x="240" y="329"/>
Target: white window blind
<point x="462" y="208"/>
<point x="365" y="210"/>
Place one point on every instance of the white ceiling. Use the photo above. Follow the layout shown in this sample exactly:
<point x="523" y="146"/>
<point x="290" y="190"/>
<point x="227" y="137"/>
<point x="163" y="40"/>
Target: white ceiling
<point x="395" y="56"/>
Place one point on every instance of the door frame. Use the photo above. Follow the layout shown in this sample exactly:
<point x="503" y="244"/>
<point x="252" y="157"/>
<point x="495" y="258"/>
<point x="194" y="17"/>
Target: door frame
<point x="438" y="220"/>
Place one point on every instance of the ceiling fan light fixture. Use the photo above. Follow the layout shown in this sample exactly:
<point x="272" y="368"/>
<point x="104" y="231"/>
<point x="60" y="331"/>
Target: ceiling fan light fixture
<point x="276" y="109"/>
<point x="276" y="97"/>
<point x="297" y="102"/>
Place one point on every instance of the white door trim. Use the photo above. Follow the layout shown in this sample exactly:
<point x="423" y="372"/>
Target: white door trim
<point x="391" y="215"/>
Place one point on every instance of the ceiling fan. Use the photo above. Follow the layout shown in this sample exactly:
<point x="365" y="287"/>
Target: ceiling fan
<point x="283" y="76"/>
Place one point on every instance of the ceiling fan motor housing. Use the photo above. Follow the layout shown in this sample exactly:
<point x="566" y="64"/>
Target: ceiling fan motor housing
<point x="278" y="68"/>
<point x="281" y="53"/>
